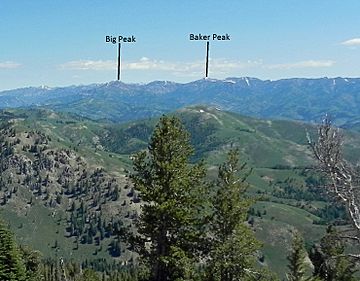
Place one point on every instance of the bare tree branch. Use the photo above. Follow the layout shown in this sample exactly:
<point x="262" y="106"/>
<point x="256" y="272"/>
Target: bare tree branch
<point x="343" y="177"/>
<point x="354" y="238"/>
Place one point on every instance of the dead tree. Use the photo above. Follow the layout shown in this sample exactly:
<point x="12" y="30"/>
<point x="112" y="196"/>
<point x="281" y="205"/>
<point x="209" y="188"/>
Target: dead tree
<point x="343" y="177"/>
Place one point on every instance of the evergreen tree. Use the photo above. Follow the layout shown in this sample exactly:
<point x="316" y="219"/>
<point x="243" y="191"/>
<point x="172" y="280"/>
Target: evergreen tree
<point x="170" y="189"/>
<point x="330" y="263"/>
<point x="232" y="244"/>
<point x="11" y="264"/>
<point x="296" y="258"/>
<point x="32" y="263"/>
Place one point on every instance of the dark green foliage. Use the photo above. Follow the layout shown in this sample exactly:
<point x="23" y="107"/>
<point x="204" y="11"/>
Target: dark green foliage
<point x="170" y="188"/>
<point x="232" y="244"/>
<point x="296" y="258"/>
<point x="100" y="269"/>
<point x="32" y="262"/>
<point x="329" y="260"/>
<point x="127" y="140"/>
<point x="203" y="134"/>
<point x="12" y="267"/>
<point x="291" y="189"/>
<point x="89" y="275"/>
<point x="115" y="248"/>
<point x="334" y="213"/>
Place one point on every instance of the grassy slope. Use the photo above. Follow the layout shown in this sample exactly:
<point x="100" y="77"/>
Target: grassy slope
<point x="265" y="145"/>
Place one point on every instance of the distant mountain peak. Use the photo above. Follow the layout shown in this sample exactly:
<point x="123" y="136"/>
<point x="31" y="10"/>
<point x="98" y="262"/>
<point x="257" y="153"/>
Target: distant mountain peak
<point x="44" y="87"/>
<point x="305" y="99"/>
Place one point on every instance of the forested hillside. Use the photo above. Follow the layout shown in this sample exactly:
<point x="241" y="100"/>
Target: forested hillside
<point x="64" y="189"/>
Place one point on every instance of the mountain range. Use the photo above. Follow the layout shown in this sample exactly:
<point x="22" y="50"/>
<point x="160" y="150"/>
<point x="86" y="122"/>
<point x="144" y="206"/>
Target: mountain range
<point x="297" y="99"/>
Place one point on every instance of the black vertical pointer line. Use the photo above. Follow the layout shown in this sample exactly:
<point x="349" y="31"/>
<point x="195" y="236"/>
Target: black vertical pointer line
<point x="207" y="60"/>
<point x="119" y="64"/>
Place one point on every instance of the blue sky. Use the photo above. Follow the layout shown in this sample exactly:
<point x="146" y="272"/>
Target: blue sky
<point x="58" y="42"/>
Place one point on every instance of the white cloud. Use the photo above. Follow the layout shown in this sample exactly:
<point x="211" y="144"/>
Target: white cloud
<point x="149" y="64"/>
<point x="302" y="64"/>
<point x="351" y="42"/>
<point x="9" y="65"/>
<point x="225" y="65"/>
<point x="190" y="69"/>
<point x="218" y="66"/>
<point x="144" y="63"/>
<point x="89" y="65"/>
